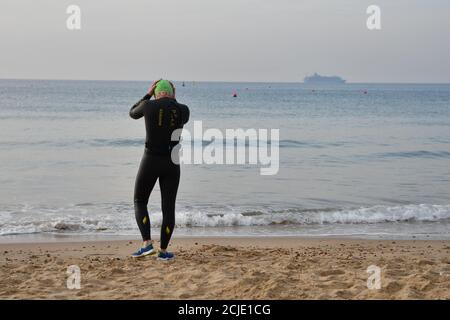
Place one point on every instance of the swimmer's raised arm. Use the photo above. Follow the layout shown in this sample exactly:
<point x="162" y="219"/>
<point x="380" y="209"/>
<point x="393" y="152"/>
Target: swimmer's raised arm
<point x="137" y="111"/>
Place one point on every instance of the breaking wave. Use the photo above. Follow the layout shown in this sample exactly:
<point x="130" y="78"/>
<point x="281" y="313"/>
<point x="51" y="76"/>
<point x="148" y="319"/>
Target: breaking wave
<point x="117" y="218"/>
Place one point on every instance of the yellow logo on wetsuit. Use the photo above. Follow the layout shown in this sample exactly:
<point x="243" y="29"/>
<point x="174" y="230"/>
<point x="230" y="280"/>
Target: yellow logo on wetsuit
<point x="160" y="118"/>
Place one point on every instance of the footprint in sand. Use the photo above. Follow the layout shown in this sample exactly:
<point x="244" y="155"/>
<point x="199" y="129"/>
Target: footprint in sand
<point x="332" y="272"/>
<point x="117" y="271"/>
<point x="47" y="282"/>
<point x="393" y="287"/>
<point x="335" y="285"/>
<point x="425" y="262"/>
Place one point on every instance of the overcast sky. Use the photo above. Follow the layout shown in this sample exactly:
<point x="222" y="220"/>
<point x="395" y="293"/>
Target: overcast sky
<point x="226" y="40"/>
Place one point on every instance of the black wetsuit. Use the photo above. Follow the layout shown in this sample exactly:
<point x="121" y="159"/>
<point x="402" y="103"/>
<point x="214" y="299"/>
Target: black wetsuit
<point x="162" y="117"/>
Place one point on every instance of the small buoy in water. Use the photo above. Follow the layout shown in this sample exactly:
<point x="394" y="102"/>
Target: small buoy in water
<point x="234" y="94"/>
<point x="183" y="84"/>
<point x="365" y="91"/>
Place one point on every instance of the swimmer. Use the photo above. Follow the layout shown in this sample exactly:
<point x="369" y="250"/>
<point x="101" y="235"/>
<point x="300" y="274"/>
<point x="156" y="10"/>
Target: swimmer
<point x="162" y="115"/>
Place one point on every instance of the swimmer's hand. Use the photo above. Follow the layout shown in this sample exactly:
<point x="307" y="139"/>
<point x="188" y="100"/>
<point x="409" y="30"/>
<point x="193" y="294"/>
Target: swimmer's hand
<point x="151" y="90"/>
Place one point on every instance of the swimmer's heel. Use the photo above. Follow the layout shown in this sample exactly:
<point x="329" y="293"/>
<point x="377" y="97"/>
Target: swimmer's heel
<point x="165" y="256"/>
<point x="142" y="252"/>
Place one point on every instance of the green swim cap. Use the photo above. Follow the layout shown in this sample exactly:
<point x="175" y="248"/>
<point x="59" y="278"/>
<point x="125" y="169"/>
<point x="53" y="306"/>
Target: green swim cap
<point x="164" y="86"/>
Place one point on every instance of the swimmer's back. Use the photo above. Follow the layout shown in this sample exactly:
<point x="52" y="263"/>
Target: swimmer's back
<point x="162" y="117"/>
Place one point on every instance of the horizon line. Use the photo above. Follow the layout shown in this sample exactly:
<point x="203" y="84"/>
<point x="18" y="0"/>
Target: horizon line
<point x="216" y="81"/>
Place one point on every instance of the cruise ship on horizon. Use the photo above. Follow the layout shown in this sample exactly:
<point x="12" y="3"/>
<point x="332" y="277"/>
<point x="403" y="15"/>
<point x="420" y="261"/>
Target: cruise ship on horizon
<point x="318" y="79"/>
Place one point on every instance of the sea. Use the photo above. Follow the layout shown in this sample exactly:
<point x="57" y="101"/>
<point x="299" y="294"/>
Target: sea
<point x="365" y="161"/>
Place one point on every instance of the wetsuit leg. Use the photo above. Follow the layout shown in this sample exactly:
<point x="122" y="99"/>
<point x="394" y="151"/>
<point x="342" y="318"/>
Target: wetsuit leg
<point x="168" y="183"/>
<point x="145" y="181"/>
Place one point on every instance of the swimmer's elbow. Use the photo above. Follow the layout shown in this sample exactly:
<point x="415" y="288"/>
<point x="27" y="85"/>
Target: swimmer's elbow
<point x="137" y="111"/>
<point x="133" y="115"/>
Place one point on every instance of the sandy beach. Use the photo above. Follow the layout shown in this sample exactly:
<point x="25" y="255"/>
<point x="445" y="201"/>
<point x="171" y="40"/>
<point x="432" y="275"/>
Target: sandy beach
<point x="229" y="268"/>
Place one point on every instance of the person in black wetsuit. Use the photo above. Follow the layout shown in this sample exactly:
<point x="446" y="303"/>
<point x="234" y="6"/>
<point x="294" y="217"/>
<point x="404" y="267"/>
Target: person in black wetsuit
<point x="163" y="116"/>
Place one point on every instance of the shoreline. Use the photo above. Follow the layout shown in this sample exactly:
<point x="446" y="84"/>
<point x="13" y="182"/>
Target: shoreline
<point x="229" y="268"/>
<point x="72" y="238"/>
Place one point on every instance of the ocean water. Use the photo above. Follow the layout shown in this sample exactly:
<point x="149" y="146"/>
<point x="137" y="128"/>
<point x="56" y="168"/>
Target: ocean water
<point x="357" y="160"/>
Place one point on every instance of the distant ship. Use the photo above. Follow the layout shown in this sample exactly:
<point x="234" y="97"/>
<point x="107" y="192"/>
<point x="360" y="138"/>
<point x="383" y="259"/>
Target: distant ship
<point x="318" y="79"/>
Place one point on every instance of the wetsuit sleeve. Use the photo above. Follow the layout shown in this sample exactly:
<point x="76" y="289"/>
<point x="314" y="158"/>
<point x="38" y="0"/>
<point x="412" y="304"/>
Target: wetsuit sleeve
<point x="137" y="111"/>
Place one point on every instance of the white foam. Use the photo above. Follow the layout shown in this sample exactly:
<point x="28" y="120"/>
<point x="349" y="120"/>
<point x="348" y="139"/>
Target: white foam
<point x="112" y="218"/>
